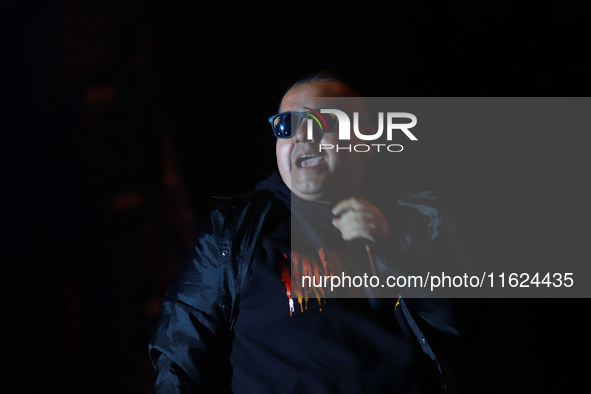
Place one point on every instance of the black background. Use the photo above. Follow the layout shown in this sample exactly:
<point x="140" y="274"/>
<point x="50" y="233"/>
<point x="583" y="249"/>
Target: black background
<point x="122" y="117"/>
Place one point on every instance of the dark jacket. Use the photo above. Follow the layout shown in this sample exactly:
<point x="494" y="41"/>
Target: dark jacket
<point x="191" y="346"/>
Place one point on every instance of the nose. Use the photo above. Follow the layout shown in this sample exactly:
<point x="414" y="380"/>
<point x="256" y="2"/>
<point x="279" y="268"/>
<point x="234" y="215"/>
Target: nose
<point x="302" y="133"/>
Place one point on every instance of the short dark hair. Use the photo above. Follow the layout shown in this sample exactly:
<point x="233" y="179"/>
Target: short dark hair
<point x="323" y="76"/>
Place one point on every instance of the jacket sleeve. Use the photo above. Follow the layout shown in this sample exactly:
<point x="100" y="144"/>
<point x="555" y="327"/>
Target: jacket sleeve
<point x="424" y="240"/>
<point x="423" y="237"/>
<point x="191" y="344"/>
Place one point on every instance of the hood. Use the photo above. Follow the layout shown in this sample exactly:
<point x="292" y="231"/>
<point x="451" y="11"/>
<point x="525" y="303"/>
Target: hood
<point x="275" y="185"/>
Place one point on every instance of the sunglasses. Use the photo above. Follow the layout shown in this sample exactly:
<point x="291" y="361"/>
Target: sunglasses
<point x="286" y="124"/>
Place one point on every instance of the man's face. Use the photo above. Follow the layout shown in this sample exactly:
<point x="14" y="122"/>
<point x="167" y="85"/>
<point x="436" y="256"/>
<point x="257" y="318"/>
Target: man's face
<point x="327" y="176"/>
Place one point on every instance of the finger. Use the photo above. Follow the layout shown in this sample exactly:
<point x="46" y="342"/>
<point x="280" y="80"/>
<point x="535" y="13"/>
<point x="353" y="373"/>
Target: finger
<point x="357" y="233"/>
<point x="360" y="223"/>
<point x="342" y="206"/>
<point x="336" y="222"/>
<point x="348" y="204"/>
<point x="355" y="218"/>
<point x="355" y="225"/>
<point x="349" y="220"/>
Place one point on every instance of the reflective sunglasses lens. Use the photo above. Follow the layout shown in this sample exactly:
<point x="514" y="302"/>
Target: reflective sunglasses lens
<point x="323" y="123"/>
<point x="282" y="126"/>
<point x="285" y="125"/>
<point x="331" y="122"/>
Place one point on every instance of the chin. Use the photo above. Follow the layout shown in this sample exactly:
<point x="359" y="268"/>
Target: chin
<point x="309" y="192"/>
<point x="308" y="186"/>
<point x="309" y="196"/>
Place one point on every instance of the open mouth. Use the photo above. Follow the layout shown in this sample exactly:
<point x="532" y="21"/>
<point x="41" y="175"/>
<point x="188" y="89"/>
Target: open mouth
<point x="307" y="161"/>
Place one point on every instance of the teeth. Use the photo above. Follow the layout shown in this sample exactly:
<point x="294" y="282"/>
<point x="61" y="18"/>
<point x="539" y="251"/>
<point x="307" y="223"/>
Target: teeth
<point x="304" y="157"/>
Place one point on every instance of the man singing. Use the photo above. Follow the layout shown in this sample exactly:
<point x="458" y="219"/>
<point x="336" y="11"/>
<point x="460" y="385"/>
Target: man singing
<point x="234" y="321"/>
